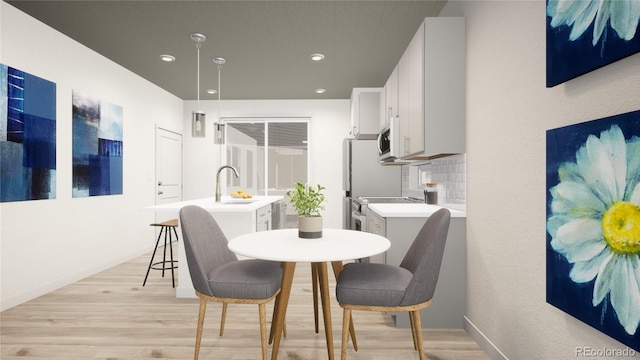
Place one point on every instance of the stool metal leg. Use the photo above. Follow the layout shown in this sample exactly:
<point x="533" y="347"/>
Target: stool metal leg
<point x="164" y="250"/>
<point x="152" y="256"/>
<point x="173" y="279"/>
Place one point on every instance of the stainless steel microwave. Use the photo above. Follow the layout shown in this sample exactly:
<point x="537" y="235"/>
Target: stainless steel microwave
<point x="388" y="137"/>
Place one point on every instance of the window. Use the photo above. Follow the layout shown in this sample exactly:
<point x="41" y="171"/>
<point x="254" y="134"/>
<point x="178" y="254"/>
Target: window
<point x="271" y="154"/>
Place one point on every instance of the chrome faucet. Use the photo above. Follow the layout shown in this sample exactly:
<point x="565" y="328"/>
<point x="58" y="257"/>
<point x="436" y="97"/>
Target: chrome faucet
<point x="218" y="179"/>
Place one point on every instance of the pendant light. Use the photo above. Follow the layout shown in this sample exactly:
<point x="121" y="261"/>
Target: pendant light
<point x="219" y="131"/>
<point x="198" y="117"/>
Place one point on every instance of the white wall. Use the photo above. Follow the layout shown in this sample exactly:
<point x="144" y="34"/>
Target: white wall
<point x="329" y="125"/>
<point x="508" y="111"/>
<point x="47" y="244"/>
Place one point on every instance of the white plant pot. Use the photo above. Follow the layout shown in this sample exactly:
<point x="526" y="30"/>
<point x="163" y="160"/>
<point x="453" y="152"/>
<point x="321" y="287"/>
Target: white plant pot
<point x="310" y="227"/>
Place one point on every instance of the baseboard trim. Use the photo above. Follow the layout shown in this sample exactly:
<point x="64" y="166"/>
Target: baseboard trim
<point x="485" y="344"/>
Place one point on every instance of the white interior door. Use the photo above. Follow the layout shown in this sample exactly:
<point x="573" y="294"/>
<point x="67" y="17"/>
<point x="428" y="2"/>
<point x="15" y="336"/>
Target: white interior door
<point x="168" y="167"/>
<point x="169" y="189"/>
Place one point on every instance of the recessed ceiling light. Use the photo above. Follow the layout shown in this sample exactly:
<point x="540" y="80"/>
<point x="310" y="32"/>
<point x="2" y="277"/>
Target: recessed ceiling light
<point x="317" y="57"/>
<point x="212" y="91"/>
<point x="167" y="58"/>
<point x="320" y="91"/>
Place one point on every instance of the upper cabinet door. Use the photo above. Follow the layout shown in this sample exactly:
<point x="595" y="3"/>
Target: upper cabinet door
<point x="365" y="112"/>
<point x="391" y="97"/>
<point x="426" y="91"/>
<point x="444" y="86"/>
<point x="415" y="103"/>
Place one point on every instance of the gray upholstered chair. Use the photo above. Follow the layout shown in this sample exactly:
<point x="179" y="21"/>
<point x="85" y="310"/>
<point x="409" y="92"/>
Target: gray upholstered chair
<point x="218" y="275"/>
<point x="408" y="287"/>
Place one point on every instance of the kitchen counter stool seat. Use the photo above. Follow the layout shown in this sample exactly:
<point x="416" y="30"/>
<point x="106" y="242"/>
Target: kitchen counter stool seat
<point x="169" y="229"/>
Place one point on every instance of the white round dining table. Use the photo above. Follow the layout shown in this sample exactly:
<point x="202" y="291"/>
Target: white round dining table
<point x="284" y="245"/>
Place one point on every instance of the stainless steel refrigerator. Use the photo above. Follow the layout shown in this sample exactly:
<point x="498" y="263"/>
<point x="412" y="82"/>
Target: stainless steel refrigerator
<point x="364" y="176"/>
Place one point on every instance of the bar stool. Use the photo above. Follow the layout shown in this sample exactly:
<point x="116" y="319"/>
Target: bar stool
<point x="165" y="227"/>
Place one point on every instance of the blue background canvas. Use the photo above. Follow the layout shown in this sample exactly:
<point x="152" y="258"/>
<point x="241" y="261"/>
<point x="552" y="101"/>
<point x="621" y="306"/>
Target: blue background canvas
<point x="97" y="147"/>
<point x="568" y="296"/>
<point x="569" y="59"/>
<point x="28" y="137"/>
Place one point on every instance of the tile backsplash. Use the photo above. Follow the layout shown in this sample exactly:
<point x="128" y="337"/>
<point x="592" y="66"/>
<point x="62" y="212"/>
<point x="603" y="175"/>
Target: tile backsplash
<point x="448" y="172"/>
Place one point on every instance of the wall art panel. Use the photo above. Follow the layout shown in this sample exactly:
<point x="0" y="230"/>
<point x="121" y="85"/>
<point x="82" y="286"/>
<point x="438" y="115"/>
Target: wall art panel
<point x="583" y="35"/>
<point x="27" y="136"/>
<point x="593" y="224"/>
<point x="97" y="147"/>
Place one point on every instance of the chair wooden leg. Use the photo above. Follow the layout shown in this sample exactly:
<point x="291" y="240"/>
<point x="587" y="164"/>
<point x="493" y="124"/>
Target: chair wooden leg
<point x="417" y="330"/>
<point x="284" y="328"/>
<point x="263" y="329"/>
<point x="413" y="333"/>
<point x="274" y="316"/>
<point x="352" y="330"/>
<point x="201" y="313"/>
<point x="223" y="317"/>
<point x="337" y="269"/>
<point x="314" y="284"/>
<point x="346" y="320"/>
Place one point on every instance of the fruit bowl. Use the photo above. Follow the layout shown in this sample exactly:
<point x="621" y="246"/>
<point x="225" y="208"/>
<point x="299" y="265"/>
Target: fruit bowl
<point x="240" y="194"/>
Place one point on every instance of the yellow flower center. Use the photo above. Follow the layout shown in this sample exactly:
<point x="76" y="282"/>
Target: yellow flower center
<point x="621" y="228"/>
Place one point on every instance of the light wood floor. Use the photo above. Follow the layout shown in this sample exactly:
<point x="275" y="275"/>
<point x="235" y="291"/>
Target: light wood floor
<point x="111" y="316"/>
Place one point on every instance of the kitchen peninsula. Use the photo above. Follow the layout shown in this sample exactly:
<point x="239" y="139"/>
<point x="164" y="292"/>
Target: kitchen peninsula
<point x="235" y="217"/>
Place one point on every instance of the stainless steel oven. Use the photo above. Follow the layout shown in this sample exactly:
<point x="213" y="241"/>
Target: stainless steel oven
<point x="358" y="220"/>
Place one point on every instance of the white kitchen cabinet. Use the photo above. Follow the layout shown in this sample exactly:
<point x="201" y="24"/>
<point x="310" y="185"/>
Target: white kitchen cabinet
<point x="263" y="218"/>
<point x="366" y="112"/>
<point x="390" y="98"/>
<point x="410" y="96"/>
<point x="444" y="63"/>
<point x="449" y="304"/>
<point x="404" y="73"/>
<point x="430" y="96"/>
<point x="413" y="142"/>
<point x="375" y="225"/>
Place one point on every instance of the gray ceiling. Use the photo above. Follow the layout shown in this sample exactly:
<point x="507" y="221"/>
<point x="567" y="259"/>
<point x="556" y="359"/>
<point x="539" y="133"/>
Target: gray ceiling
<point x="267" y="44"/>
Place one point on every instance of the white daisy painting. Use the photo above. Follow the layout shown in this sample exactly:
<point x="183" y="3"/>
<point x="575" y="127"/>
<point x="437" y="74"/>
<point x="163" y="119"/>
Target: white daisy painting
<point x="593" y="224"/>
<point x="583" y="35"/>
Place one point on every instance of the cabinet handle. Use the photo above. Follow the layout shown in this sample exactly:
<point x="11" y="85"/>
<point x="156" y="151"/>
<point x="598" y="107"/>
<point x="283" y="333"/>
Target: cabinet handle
<point x="160" y="192"/>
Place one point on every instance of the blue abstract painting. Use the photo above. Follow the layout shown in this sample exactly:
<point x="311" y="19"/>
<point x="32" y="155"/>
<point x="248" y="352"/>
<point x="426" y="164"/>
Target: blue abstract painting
<point x="27" y="136"/>
<point x="583" y="35"/>
<point x="97" y="147"/>
<point x="593" y="224"/>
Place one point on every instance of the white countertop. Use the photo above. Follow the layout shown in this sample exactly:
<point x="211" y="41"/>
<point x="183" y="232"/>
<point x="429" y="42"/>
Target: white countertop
<point x="411" y="210"/>
<point x="226" y="204"/>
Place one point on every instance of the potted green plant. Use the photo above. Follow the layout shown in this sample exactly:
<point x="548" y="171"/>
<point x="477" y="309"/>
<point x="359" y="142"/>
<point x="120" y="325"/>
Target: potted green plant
<point x="308" y="201"/>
